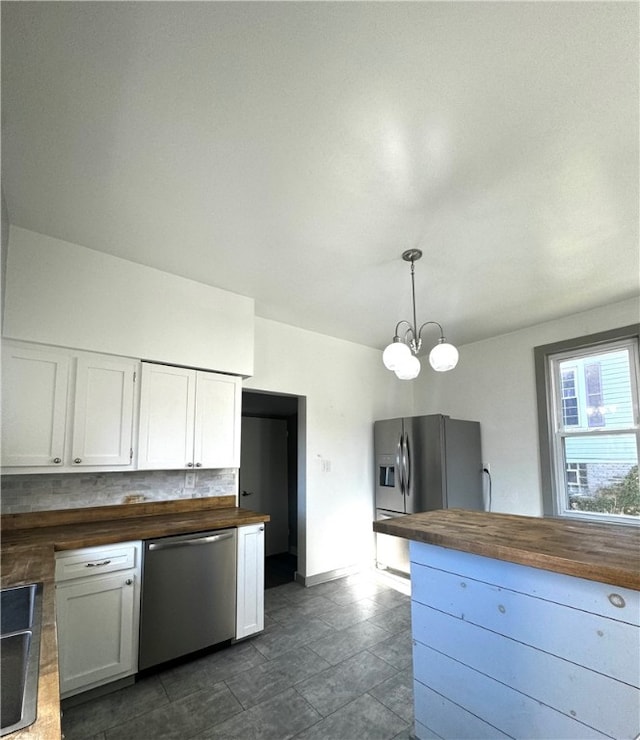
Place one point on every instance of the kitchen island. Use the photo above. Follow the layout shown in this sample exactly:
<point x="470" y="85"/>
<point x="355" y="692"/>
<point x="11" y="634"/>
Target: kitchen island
<point x="523" y="627"/>
<point x="27" y="555"/>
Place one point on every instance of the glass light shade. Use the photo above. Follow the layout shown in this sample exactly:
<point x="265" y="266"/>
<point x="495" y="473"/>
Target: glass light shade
<point x="408" y="369"/>
<point x="395" y="354"/>
<point x="443" y="357"/>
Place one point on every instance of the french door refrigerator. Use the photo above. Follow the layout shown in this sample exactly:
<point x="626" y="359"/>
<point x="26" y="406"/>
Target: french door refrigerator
<point x="423" y="463"/>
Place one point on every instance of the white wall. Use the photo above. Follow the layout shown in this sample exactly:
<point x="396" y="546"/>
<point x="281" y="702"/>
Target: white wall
<point x="494" y="383"/>
<point x="67" y="295"/>
<point x="346" y="389"/>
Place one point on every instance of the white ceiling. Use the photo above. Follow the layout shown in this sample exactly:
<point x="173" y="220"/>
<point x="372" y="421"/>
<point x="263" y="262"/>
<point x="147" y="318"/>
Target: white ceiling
<point x="292" y="151"/>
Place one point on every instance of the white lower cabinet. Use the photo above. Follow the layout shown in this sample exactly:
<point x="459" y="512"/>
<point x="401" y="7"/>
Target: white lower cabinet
<point x="250" y="581"/>
<point x="97" y="612"/>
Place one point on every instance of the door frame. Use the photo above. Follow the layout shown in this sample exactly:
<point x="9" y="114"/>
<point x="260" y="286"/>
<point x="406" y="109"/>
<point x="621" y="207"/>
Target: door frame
<point x="292" y="408"/>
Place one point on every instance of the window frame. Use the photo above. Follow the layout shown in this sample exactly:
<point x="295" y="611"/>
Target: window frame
<point x="550" y="463"/>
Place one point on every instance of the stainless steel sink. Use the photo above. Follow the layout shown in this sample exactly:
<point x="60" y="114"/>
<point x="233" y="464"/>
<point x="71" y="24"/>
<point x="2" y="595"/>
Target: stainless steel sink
<point x="21" y="623"/>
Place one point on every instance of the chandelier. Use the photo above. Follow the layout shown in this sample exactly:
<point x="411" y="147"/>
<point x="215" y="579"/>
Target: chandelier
<point x="401" y="355"/>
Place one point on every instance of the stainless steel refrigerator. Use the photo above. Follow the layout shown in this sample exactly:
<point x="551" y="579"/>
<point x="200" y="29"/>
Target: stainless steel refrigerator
<point x="423" y="463"/>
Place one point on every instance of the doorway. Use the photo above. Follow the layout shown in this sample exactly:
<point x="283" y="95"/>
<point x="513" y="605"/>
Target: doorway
<point x="269" y="476"/>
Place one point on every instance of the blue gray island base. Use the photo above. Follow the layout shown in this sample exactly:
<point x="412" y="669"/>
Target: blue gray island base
<point x="502" y="650"/>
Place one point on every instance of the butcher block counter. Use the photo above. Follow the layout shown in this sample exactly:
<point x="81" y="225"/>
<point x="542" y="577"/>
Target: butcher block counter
<point x="609" y="553"/>
<point x="27" y="555"/>
<point x="523" y="626"/>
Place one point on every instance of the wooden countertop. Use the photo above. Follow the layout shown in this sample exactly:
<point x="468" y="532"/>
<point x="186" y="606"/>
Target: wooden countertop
<point x="27" y="555"/>
<point x="28" y="563"/>
<point x="609" y="553"/>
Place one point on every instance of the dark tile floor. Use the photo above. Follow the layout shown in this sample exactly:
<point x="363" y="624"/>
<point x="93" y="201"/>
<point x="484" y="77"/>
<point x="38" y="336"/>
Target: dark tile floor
<point x="333" y="663"/>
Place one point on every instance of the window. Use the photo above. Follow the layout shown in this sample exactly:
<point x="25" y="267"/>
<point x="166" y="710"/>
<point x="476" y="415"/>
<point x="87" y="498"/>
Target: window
<point x="588" y="392"/>
<point x="570" y="416"/>
<point x="577" y="482"/>
<point x="593" y="384"/>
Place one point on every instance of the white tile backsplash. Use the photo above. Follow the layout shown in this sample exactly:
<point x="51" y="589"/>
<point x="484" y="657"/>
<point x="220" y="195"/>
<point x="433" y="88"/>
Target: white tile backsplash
<point x="23" y="493"/>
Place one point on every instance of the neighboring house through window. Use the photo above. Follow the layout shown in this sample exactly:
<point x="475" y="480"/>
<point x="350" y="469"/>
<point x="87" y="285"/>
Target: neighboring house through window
<point x="589" y="431"/>
<point x="593" y="383"/>
<point x="576" y="478"/>
<point x="570" y="416"/>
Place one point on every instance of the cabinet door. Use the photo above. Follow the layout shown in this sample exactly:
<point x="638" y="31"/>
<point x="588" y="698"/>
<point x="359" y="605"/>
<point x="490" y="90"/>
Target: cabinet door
<point x="167" y="406"/>
<point x="103" y="412"/>
<point x="250" y="583"/>
<point x="95" y="618"/>
<point x="34" y="406"/>
<point x="217" y="421"/>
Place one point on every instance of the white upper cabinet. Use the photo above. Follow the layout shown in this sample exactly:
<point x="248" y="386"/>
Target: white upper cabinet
<point x="217" y="423"/>
<point x="103" y="412"/>
<point x="64" y="410"/>
<point x="34" y="406"/>
<point x="167" y="412"/>
<point x="188" y="419"/>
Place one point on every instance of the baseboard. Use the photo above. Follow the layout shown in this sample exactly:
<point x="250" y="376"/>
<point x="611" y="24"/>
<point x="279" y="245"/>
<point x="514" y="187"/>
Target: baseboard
<point x="330" y="575"/>
<point x="84" y="696"/>
<point x="398" y="581"/>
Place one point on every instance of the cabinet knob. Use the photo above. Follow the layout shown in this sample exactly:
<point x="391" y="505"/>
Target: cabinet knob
<point x="129" y="581"/>
<point x="57" y="460"/>
<point x="77" y="460"/>
<point x="189" y="465"/>
<point x="198" y="465"/>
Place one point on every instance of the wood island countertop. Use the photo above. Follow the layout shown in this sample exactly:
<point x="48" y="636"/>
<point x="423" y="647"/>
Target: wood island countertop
<point x="609" y="553"/>
<point x="27" y="555"/>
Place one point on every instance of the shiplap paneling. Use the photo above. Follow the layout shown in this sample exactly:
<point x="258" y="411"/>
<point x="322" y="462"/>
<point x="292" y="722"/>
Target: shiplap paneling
<point x="476" y="699"/>
<point x="446" y="720"/>
<point x="580" y="593"/>
<point x="577" y="635"/>
<point x="528" y="652"/>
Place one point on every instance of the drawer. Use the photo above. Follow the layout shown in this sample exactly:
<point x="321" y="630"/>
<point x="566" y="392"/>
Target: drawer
<point x="92" y="561"/>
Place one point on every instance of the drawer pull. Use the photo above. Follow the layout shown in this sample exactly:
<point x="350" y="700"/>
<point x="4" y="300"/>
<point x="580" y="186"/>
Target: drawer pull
<point x="97" y="565"/>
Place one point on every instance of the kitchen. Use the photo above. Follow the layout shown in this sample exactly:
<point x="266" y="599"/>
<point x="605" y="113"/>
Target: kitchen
<point x="57" y="292"/>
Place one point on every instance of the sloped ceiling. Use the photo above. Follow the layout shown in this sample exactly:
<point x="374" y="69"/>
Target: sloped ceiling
<point x="292" y="151"/>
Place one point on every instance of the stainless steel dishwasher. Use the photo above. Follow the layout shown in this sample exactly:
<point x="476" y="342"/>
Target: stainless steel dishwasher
<point x="188" y="594"/>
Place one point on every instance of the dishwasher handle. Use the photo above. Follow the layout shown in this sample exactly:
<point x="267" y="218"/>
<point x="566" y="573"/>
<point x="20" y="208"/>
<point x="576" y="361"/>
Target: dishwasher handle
<point x="194" y="541"/>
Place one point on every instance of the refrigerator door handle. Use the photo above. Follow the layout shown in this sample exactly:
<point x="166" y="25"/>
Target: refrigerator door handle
<point x="407" y="463"/>
<point x="399" y="464"/>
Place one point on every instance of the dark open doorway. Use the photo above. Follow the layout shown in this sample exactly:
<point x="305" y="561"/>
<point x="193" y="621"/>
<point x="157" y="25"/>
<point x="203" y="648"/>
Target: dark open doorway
<point x="269" y="476"/>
